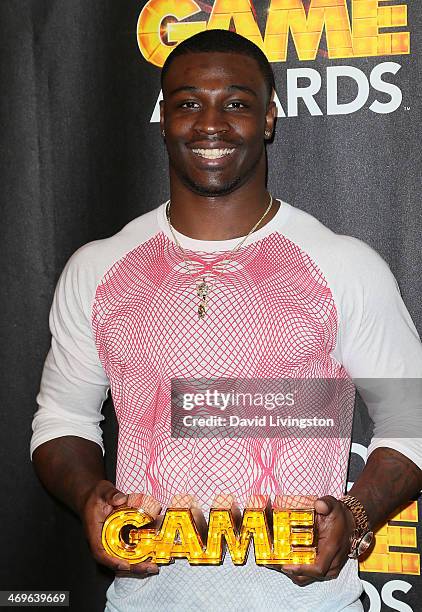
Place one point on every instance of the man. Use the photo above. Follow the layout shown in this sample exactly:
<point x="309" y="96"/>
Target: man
<point x="225" y="282"/>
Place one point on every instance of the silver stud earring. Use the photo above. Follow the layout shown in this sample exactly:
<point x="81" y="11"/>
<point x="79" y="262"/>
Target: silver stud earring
<point x="267" y="134"/>
<point x="163" y="133"/>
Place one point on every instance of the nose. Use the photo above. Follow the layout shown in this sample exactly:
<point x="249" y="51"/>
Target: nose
<point x="211" y="120"/>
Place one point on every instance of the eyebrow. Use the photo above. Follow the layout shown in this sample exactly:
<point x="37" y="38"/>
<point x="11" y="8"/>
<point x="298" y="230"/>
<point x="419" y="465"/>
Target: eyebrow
<point x="244" y="88"/>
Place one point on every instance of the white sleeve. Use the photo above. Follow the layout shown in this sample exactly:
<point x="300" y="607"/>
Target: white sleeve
<point x="381" y="350"/>
<point x="74" y="384"/>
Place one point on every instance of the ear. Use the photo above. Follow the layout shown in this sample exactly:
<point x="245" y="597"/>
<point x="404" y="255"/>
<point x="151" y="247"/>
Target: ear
<point x="271" y="115"/>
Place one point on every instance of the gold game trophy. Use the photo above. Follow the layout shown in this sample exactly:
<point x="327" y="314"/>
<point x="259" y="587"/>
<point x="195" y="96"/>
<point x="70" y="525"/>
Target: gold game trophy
<point x="283" y="532"/>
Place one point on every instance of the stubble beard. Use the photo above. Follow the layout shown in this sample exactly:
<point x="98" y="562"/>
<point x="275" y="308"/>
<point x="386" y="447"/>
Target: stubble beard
<point x="217" y="189"/>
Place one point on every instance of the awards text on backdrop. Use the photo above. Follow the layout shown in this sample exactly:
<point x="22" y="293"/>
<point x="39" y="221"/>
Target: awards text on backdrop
<point x="282" y="532"/>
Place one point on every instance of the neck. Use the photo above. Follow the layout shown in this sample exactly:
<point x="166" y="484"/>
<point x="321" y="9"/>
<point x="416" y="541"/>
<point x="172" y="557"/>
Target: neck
<point x="219" y="217"/>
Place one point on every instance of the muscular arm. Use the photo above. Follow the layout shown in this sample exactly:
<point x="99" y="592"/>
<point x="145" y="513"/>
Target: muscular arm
<point x="388" y="480"/>
<point x="69" y="467"/>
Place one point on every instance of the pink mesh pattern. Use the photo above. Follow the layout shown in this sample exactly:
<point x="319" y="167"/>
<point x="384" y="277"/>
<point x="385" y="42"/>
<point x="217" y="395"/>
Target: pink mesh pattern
<point x="270" y="315"/>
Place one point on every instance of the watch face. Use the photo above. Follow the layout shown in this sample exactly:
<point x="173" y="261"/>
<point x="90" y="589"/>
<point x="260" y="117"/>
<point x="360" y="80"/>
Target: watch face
<point x="364" y="543"/>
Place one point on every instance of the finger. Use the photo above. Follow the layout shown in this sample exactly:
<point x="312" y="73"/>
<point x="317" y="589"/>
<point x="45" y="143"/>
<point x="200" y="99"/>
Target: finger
<point x="114" y="497"/>
<point x="122" y="565"/>
<point x="326" y="560"/>
<point x="302" y="580"/>
<point x="277" y="568"/>
<point x="146" y="567"/>
<point x="316" y="570"/>
<point x="300" y="570"/>
<point x="113" y="563"/>
<point x="104" y="498"/>
<point x="325" y="505"/>
<point x="323" y="564"/>
<point x="305" y="580"/>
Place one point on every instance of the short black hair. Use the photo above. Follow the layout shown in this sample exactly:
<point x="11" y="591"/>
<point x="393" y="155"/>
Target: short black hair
<point x="222" y="41"/>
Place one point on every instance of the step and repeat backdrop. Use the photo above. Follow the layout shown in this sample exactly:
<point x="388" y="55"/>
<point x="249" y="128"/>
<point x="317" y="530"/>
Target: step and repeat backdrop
<point x="83" y="155"/>
<point x="346" y="97"/>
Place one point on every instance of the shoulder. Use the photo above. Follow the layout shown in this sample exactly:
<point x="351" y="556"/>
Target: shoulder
<point x="87" y="266"/>
<point x="96" y="257"/>
<point x="341" y="258"/>
<point x="103" y="253"/>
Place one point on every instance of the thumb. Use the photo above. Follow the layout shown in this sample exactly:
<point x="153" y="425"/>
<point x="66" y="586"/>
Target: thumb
<point x="114" y="497"/>
<point x="325" y="505"/>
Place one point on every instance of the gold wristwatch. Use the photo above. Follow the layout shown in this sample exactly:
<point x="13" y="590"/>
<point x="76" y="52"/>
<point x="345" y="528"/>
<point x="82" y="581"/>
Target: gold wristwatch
<point x="362" y="536"/>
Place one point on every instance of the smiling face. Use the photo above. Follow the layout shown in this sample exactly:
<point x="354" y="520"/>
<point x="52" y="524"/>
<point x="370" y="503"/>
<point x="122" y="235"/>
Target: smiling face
<point x="214" y="113"/>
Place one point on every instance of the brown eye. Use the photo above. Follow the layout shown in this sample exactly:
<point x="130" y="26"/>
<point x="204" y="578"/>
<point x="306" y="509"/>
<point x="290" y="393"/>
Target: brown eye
<point x="189" y="104"/>
<point x="236" y="105"/>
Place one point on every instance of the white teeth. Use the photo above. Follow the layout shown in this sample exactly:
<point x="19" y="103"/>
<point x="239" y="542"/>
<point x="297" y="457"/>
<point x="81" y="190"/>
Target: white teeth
<point x="212" y="153"/>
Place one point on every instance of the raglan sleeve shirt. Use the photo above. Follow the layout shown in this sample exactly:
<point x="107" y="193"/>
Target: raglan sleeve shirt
<point x="377" y="342"/>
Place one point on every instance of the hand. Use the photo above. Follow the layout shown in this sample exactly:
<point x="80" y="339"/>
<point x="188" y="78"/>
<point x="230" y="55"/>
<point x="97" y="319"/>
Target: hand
<point x="335" y="524"/>
<point x="100" y="502"/>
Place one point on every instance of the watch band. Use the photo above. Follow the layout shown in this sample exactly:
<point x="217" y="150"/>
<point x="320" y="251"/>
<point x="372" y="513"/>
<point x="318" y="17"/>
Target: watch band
<point x="361" y="537"/>
<point x="359" y="513"/>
